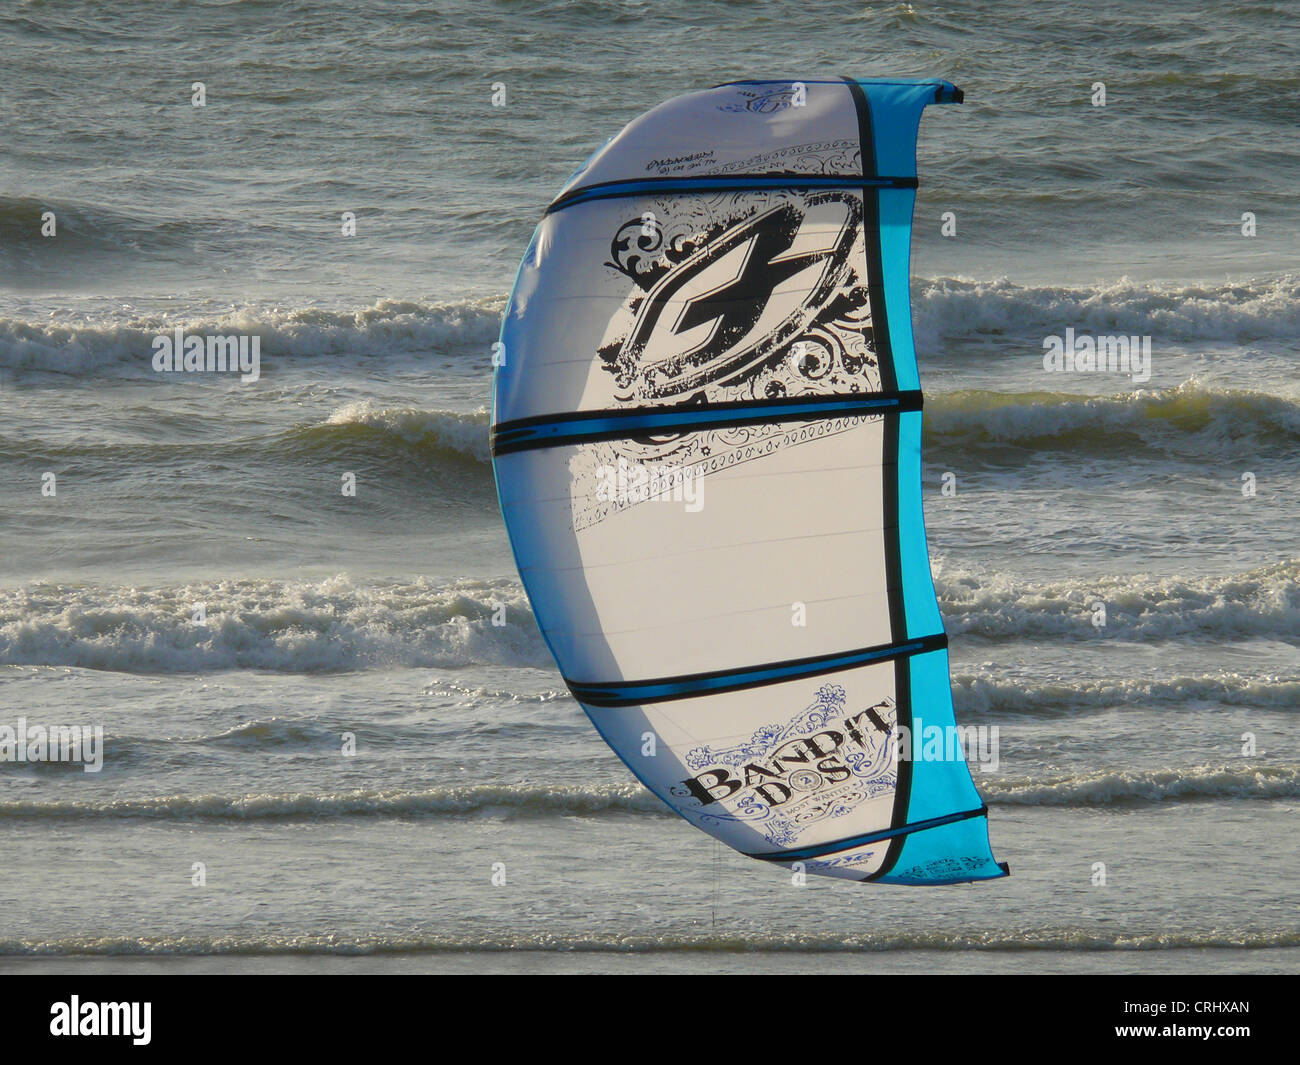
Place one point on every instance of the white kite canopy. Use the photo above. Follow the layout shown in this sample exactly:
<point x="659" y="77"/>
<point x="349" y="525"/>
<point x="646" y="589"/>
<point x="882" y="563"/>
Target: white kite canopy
<point x="707" y="443"/>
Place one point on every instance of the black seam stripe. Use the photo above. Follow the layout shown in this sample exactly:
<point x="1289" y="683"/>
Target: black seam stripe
<point x="890" y="491"/>
<point x="643" y="692"/>
<point x="555" y="430"/>
<point x="849" y="842"/>
<point x="903" y="781"/>
<point x="891" y="488"/>
<point x="884" y="358"/>
<point x="910" y="399"/>
<point x="871" y="227"/>
<point x="634" y="187"/>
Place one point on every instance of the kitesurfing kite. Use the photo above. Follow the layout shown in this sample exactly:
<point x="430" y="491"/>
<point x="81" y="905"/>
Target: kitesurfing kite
<point x="707" y="444"/>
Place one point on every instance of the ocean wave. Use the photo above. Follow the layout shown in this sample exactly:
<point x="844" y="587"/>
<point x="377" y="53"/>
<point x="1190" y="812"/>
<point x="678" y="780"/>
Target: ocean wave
<point x="946" y="308"/>
<point x="1108" y="788"/>
<point x="1193" y="420"/>
<point x="81" y="228"/>
<point x="263" y="733"/>
<point x="333" y="625"/>
<point x="716" y="941"/>
<point x="114" y="344"/>
<point x="986" y="694"/>
<point x="460" y="434"/>
<point x="1263" y="602"/>
<point x="338" y="624"/>
<point x="512" y="800"/>
<point x="1144" y="786"/>
<point x="446" y="440"/>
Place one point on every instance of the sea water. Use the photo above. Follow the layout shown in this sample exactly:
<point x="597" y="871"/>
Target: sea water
<point x="330" y="727"/>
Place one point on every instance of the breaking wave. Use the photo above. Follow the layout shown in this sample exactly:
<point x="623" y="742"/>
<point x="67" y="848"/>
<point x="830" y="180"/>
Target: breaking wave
<point x="111" y="345"/>
<point x="1192" y="420"/>
<point x="1249" y="310"/>
<point x="333" y="625"/>
<point x="339" y="624"/>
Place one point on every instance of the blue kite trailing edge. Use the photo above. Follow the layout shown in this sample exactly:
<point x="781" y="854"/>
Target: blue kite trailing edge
<point x="707" y="444"/>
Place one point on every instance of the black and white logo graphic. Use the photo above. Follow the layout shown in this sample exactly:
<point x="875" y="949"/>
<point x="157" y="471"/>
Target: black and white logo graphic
<point x="737" y="298"/>
<point x="740" y="297"/>
<point x="787" y="778"/>
<point x="767" y="303"/>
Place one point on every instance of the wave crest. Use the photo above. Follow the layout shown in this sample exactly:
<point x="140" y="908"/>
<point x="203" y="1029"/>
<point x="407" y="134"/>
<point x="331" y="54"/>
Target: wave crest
<point x="944" y="308"/>
<point x="113" y="344"/>
<point x="1193" y="420"/>
<point x="325" y="626"/>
